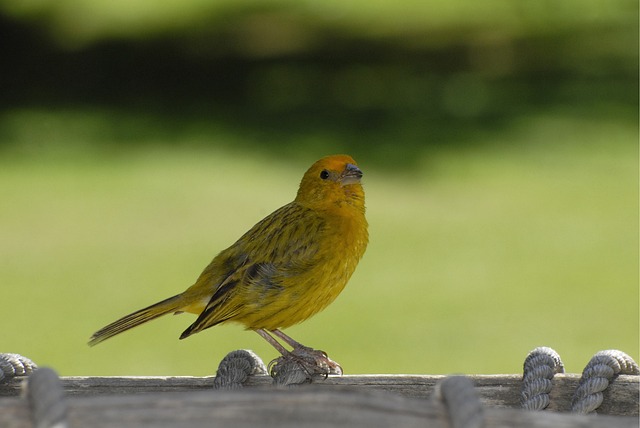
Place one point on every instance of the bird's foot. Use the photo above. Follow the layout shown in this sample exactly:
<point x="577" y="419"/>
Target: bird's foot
<point x="315" y="361"/>
<point x="303" y="364"/>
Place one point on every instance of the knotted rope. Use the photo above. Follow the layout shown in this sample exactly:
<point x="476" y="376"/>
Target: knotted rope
<point x="12" y="365"/>
<point x="539" y="368"/>
<point x="289" y="372"/>
<point x="543" y="363"/>
<point x="603" y="367"/>
<point x="46" y="399"/>
<point x="235" y="367"/>
<point x="460" y="401"/>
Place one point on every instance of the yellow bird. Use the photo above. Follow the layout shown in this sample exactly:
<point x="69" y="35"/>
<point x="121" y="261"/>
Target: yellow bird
<point x="285" y="269"/>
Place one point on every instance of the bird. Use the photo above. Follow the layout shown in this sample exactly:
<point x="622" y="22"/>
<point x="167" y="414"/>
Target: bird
<point x="286" y="268"/>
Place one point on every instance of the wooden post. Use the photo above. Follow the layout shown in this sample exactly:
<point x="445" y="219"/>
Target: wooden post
<point x="367" y="401"/>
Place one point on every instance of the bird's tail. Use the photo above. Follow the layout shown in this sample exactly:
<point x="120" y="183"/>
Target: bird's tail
<point x="172" y="304"/>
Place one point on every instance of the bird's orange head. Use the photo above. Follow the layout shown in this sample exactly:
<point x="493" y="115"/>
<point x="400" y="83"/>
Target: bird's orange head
<point x="332" y="182"/>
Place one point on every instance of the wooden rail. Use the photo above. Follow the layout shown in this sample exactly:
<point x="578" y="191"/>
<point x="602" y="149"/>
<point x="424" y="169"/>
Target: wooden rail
<point x="369" y="401"/>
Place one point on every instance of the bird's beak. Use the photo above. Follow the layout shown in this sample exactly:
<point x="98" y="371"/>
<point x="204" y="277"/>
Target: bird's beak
<point x="350" y="175"/>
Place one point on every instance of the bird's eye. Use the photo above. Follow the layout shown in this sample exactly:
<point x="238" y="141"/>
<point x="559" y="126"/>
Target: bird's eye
<point x="324" y="174"/>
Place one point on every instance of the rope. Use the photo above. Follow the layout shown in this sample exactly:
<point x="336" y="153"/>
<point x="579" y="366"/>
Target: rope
<point x="235" y="367"/>
<point x="46" y="399"/>
<point x="602" y="369"/>
<point x="460" y="401"/>
<point x="12" y="365"/>
<point x="539" y="368"/>
<point x="289" y="372"/>
<point x="302" y="365"/>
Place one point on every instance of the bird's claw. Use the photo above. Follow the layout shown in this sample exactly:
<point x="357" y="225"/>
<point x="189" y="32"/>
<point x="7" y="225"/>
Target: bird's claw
<point x="313" y="362"/>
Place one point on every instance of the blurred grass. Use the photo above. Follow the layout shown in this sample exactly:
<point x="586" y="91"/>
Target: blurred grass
<point x="268" y="26"/>
<point x="478" y="253"/>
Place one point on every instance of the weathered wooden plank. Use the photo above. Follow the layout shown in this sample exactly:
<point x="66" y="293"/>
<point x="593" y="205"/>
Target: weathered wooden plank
<point x="307" y="407"/>
<point x="14" y="413"/>
<point x="621" y="398"/>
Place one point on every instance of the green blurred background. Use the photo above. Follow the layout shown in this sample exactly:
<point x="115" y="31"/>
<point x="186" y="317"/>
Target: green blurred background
<point x="499" y="141"/>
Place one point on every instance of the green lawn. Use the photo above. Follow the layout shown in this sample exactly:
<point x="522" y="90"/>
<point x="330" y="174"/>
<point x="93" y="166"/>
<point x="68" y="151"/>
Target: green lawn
<point x="91" y="20"/>
<point x="527" y="237"/>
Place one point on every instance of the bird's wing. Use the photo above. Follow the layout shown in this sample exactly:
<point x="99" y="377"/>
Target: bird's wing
<point x="283" y="245"/>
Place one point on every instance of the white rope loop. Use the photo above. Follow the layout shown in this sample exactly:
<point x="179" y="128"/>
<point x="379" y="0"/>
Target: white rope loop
<point x="601" y="370"/>
<point x="46" y="399"/>
<point x="540" y="366"/>
<point x="235" y="367"/>
<point x="461" y="402"/>
<point x="13" y="365"/>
